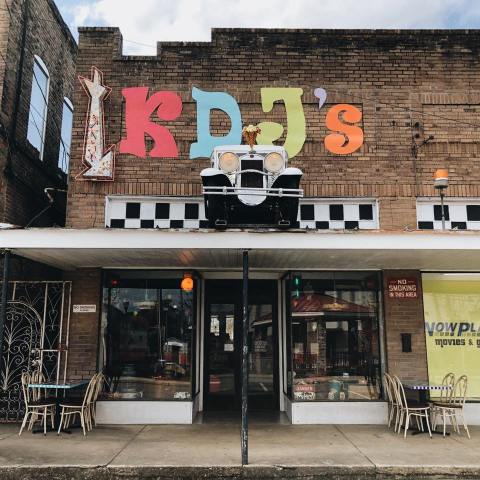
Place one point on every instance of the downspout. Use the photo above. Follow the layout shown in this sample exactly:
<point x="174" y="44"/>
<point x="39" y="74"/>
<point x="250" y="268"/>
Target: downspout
<point x="12" y="131"/>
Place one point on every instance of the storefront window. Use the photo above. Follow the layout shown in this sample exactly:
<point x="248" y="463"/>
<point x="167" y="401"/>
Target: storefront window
<point x="452" y="327"/>
<point x="333" y="336"/>
<point x="148" y="339"/>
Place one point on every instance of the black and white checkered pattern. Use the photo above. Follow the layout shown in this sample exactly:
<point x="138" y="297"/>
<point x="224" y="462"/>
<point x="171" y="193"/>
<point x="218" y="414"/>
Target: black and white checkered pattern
<point x="459" y="215"/>
<point x="329" y="214"/>
<point x="158" y="212"/>
<point x="427" y="387"/>
<point x="177" y="212"/>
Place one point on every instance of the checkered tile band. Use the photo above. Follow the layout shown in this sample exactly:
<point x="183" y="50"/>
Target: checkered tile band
<point x="189" y="212"/>
<point x="461" y="214"/>
<point x="428" y="387"/>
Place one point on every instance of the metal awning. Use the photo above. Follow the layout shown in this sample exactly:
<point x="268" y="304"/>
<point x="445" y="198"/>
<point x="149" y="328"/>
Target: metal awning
<point x="270" y="250"/>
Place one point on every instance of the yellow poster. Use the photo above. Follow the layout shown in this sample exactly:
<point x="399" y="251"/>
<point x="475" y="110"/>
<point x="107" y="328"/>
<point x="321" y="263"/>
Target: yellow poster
<point x="452" y="327"/>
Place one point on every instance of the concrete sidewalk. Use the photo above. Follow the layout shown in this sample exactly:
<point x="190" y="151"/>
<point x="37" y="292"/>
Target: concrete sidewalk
<point x="213" y="451"/>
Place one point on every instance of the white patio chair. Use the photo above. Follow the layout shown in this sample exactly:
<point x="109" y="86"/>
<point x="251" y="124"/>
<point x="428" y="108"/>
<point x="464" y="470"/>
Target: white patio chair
<point x="453" y="410"/>
<point x="35" y="406"/>
<point x="412" y="410"/>
<point x="99" y="382"/>
<point x="81" y="408"/>
<point x="393" y="407"/>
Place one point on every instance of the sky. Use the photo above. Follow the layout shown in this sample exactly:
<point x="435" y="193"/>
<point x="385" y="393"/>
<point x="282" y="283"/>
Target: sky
<point x="144" y="22"/>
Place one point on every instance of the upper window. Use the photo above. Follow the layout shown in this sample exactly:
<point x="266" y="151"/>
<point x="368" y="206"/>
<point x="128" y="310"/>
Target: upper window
<point x="37" y="118"/>
<point x="66" y="138"/>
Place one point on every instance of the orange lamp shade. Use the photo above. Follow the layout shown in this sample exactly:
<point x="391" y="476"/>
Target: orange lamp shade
<point x="441" y="179"/>
<point x="441" y="173"/>
<point x="187" y="283"/>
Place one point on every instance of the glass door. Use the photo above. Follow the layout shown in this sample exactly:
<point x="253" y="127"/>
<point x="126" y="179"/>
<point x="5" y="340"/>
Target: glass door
<point x="223" y="333"/>
<point x="222" y="356"/>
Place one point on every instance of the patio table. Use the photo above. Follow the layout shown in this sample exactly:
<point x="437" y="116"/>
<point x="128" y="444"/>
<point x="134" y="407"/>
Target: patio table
<point x="423" y="389"/>
<point x="57" y="386"/>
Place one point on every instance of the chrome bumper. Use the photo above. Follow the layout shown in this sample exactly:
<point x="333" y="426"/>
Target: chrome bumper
<point x="264" y="192"/>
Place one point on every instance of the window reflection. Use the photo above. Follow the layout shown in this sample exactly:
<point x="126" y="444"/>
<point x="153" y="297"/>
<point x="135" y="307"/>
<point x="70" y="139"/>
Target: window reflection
<point x="334" y="337"/>
<point x="148" y="339"/>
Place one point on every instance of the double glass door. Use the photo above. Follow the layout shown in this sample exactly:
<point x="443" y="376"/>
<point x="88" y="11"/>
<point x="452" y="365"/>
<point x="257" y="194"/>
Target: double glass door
<point x="223" y="337"/>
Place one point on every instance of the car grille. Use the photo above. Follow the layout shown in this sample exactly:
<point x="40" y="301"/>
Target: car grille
<point x="252" y="179"/>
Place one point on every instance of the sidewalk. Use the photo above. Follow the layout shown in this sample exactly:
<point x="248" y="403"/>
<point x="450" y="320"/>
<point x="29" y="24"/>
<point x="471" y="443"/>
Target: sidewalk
<point x="213" y="451"/>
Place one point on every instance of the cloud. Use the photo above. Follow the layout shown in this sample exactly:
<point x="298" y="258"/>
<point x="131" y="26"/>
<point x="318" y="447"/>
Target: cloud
<point x="149" y="21"/>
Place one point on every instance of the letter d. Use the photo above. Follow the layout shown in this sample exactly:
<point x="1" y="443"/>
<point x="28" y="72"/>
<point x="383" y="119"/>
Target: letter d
<point x="206" y="102"/>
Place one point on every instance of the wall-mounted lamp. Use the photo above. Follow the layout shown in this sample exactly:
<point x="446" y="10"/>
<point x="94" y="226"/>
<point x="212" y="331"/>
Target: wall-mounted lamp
<point x="441" y="184"/>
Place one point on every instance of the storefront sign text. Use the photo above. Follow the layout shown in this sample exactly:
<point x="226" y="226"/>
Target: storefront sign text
<point x="402" y="288"/>
<point x="141" y="106"/>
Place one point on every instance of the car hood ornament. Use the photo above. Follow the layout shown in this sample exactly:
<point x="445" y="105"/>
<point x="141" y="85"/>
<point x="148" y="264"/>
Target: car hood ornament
<point x="249" y="134"/>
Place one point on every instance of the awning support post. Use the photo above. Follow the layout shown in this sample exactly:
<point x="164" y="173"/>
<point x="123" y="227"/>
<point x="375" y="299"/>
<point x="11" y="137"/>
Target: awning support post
<point x="245" y="361"/>
<point x="3" y="299"/>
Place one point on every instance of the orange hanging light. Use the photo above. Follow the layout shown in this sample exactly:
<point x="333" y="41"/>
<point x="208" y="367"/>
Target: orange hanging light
<point x="187" y="282"/>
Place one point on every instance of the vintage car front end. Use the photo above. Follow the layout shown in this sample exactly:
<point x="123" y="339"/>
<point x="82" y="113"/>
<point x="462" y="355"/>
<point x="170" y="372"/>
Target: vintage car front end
<point x="246" y="187"/>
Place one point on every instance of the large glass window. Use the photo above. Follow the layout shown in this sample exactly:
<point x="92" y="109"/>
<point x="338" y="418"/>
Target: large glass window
<point x="66" y="136"/>
<point x="148" y="335"/>
<point x="452" y="327"/>
<point x="37" y="117"/>
<point x="333" y="337"/>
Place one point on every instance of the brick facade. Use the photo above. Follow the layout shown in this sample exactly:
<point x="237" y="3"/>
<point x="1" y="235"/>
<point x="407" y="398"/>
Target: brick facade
<point x="84" y="327"/>
<point x="406" y="84"/>
<point x="23" y="175"/>
<point x="409" y="86"/>
<point x="405" y="315"/>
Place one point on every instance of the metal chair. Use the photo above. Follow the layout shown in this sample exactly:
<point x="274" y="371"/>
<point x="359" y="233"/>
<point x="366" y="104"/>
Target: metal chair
<point x="453" y="409"/>
<point x="83" y="409"/>
<point x="99" y="383"/>
<point x="35" y="406"/>
<point x="408" y="411"/>
<point x="393" y="406"/>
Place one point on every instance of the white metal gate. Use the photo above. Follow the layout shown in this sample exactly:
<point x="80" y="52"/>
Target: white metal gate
<point x="36" y="336"/>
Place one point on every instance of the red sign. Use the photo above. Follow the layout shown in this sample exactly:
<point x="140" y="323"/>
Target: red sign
<point x="304" y="388"/>
<point x="402" y="288"/>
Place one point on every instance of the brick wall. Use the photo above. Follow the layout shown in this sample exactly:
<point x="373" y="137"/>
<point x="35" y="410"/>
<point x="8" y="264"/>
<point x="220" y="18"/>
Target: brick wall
<point x="24" y="175"/>
<point x="82" y="356"/>
<point x="404" y="82"/>
<point x="405" y="316"/>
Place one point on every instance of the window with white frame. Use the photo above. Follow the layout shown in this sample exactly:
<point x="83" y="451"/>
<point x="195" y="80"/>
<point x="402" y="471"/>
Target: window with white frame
<point x="66" y="135"/>
<point x="459" y="213"/>
<point x="37" y="118"/>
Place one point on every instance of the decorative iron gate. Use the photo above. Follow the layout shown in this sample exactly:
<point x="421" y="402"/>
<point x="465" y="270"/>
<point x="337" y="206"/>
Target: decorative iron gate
<point x="36" y="336"/>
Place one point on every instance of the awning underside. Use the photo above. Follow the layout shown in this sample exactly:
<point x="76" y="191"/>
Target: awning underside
<point x="107" y="248"/>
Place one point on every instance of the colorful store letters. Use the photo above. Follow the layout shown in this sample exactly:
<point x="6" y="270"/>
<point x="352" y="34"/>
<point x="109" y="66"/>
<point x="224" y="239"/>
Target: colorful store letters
<point x="141" y="106"/>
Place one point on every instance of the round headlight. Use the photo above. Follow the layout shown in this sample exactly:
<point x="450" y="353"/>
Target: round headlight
<point x="274" y="162"/>
<point x="228" y="162"/>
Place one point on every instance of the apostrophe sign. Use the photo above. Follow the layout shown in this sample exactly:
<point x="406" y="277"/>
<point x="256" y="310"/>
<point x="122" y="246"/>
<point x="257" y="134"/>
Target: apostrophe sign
<point x="403" y="288"/>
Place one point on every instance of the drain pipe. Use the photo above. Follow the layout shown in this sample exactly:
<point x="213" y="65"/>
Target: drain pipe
<point x="3" y="300"/>
<point x="245" y="361"/>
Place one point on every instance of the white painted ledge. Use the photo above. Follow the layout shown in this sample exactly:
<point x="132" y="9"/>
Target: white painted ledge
<point x="336" y="413"/>
<point x="146" y="412"/>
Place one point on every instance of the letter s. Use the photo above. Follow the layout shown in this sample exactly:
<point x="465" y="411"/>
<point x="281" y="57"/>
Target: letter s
<point x="350" y="137"/>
